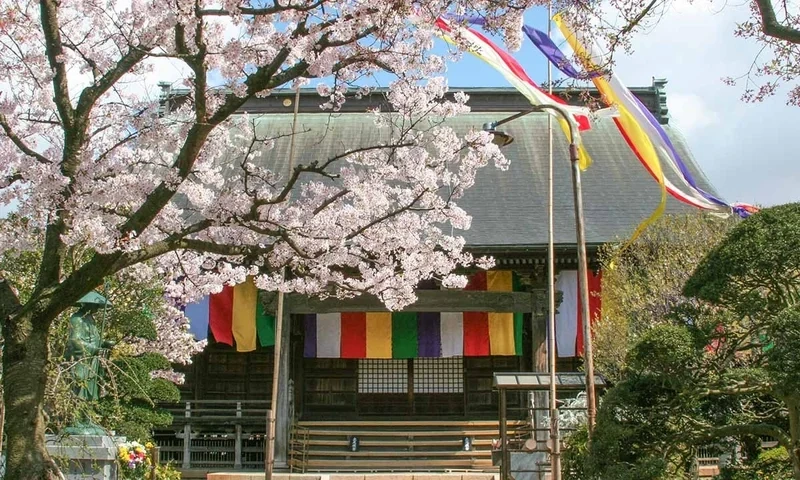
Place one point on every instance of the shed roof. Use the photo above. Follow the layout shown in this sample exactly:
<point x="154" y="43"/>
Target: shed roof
<point x="509" y="208"/>
<point x="541" y="381"/>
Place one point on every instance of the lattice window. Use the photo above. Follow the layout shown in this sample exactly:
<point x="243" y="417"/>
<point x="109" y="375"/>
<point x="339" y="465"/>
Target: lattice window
<point x="439" y="375"/>
<point x="382" y="375"/>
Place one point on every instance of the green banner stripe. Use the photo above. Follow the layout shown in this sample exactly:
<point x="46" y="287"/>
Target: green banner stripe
<point x="265" y="324"/>
<point x="404" y="335"/>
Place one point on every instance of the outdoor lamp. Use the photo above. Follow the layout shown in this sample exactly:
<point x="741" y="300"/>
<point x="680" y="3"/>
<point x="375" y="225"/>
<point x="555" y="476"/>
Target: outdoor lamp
<point x="501" y="138"/>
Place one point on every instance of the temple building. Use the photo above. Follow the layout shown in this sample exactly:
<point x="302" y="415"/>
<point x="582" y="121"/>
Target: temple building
<point x="369" y="390"/>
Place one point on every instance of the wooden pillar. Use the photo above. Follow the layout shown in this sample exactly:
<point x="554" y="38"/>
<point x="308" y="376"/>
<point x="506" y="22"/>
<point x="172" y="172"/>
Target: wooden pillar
<point x="187" y="439"/>
<point x="298" y="381"/>
<point x="282" y="421"/>
<point x="237" y="446"/>
<point x="505" y="462"/>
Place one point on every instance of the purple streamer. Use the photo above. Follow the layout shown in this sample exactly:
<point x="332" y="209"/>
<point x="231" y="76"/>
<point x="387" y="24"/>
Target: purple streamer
<point x="555" y="55"/>
<point x="687" y="175"/>
<point x="550" y="50"/>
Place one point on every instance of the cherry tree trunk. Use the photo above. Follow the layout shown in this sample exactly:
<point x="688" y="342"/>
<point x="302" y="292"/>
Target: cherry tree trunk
<point x="24" y="378"/>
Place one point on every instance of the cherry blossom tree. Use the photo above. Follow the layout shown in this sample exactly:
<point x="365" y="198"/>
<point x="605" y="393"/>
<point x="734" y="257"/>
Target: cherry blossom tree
<point x="92" y="157"/>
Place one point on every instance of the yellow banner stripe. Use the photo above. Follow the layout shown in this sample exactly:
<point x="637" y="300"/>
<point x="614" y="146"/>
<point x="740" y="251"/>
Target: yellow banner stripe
<point x="379" y="335"/>
<point x="245" y="298"/>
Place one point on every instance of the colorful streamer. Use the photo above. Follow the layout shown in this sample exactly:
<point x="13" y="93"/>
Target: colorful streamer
<point x="234" y="316"/>
<point x="426" y="334"/>
<point x="486" y="50"/>
<point x="636" y="111"/>
<point x="549" y="49"/>
<point x="636" y="138"/>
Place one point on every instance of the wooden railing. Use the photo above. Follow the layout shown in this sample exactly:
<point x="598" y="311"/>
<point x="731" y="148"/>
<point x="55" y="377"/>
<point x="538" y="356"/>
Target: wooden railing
<point x="216" y="434"/>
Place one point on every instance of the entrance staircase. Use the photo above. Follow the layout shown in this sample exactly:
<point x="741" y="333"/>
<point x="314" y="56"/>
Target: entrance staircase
<point x="394" y="446"/>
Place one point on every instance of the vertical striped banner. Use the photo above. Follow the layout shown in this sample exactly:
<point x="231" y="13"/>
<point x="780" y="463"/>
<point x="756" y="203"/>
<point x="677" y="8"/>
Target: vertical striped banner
<point x="404" y="335"/>
<point x="476" y="324"/>
<point x="310" y="331"/>
<point x="354" y="335"/>
<point x="501" y="325"/>
<point x="430" y="334"/>
<point x="452" y="334"/>
<point x="220" y="315"/>
<point x="245" y="298"/>
<point x="234" y="316"/>
<point x="265" y="324"/>
<point x="329" y="335"/>
<point x="595" y="280"/>
<point x="519" y="320"/>
<point x="426" y="334"/>
<point x="379" y="335"/>
<point x="567" y="313"/>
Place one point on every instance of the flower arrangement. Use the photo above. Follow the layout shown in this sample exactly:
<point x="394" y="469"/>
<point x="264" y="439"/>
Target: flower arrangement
<point x="133" y="459"/>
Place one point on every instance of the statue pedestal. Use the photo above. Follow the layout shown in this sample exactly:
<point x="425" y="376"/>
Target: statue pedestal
<point x="90" y="457"/>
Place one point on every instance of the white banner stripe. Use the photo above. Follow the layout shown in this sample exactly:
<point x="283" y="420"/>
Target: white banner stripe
<point x="329" y="334"/>
<point x="567" y="313"/>
<point x="452" y="328"/>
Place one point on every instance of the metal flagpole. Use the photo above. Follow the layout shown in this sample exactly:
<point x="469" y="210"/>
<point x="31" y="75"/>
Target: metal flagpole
<point x="269" y="460"/>
<point x="555" y="444"/>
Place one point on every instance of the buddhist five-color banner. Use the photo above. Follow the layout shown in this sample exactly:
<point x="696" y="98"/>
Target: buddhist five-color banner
<point x="425" y="334"/>
<point x="234" y="316"/>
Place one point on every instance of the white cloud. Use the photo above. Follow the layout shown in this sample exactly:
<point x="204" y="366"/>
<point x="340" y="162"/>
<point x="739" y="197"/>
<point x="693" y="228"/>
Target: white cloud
<point x="743" y="148"/>
<point x="691" y="112"/>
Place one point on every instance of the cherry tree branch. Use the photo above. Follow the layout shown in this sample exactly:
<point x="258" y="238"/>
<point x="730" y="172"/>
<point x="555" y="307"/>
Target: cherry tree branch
<point x="90" y="95"/>
<point x="772" y="27"/>
<point x="276" y="8"/>
<point x="159" y="248"/>
<point x="385" y="217"/>
<point x="54" y="50"/>
<point x="9" y="302"/>
<point x="11" y="179"/>
<point x="20" y="144"/>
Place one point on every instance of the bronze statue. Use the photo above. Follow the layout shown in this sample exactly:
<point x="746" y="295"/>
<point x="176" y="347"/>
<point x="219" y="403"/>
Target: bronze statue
<point x="84" y="346"/>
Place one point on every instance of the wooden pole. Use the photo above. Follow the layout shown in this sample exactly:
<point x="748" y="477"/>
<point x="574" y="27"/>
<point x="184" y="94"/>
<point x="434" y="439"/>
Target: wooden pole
<point x="269" y="460"/>
<point x="155" y="460"/>
<point x="583" y="288"/>
<point x="269" y="464"/>
<point x="555" y="443"/>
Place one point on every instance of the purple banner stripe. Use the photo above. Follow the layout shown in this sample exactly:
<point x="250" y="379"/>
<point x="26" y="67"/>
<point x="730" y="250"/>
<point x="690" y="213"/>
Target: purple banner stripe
<point x="429" y="334"/>
<point x="310" y="326"/>
<point x="687" y="175"/>
<point x="554" y="54"/>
